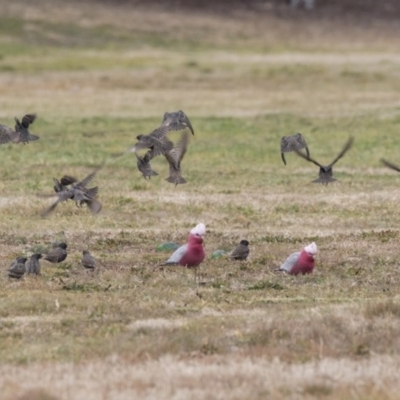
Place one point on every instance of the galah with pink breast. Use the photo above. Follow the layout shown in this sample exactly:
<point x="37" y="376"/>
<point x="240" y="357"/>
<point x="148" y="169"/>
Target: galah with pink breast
<point x="192" y="253"/>
<point x="301" y="262"/>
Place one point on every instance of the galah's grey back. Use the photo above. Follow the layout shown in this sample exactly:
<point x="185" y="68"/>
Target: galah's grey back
<point x="177" y="255"/>
<point x="290" y="261"/>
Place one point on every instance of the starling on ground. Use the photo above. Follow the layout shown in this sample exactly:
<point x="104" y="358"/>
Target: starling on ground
<point x="57" y="254"/>
<point x="17" y="268"/>
<point x="33" y="264"/>
<point x="88" y="261"/>
<point x="177" y="121"/>
<point x="326" y="172"/>
<point x="241" y="251"/>
<point x="69" y="189"/>
<point x="293" y="143"/>
<point x="174" y="158"/>
<point x="144" y="166"/>
<point x="21" y="133"/>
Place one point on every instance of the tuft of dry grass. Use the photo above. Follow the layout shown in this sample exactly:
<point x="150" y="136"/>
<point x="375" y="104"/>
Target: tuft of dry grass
<point x="97" y="77"/>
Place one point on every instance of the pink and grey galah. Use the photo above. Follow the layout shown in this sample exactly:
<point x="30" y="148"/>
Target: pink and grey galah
<point x="192" y="253"/>
<point x="301" y="262"/>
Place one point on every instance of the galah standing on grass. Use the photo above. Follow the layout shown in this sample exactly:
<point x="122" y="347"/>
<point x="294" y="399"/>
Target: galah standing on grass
<point x="301" y="262"/>
<point x="192" y="253"/>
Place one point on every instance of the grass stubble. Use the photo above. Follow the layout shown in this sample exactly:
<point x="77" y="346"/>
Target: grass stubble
<point x="245" y="331"/>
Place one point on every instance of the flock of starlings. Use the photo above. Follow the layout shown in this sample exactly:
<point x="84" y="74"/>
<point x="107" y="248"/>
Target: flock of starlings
<point x="157" y="143"/>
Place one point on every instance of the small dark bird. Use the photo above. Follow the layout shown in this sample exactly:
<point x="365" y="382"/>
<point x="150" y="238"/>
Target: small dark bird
<point x="326" y="172"/>
<point x="174" y="158"/>
<point x="33" y="265"/>
<point x="390" y="165"/>
<point x="177" y="121"/>
<point x="293" y="143"/>
<point x="88" y="261"/>
<point x="144" y="166"/>
<point x="156" y="141"/>
<point x="62" y="184"/>
<point x="17" y="268"/>
<point x="241" y="251"/>
<point x="21" y="133"/>
<point x="69" y="189"/>
<point x="57" y="254"/>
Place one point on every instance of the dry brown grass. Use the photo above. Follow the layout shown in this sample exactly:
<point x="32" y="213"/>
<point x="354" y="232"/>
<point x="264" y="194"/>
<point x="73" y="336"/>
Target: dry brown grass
<point x="98" y="76"/>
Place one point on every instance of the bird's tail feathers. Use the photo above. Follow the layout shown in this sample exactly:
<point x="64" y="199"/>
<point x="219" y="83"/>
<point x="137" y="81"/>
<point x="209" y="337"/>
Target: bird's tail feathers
<point x="94" y="206"/>
<point x="33" y="137"/>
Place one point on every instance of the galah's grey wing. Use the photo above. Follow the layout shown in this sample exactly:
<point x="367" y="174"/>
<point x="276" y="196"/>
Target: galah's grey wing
<point x="390" y="165"/>
<point x="346" y="147"/>
<point x="176" y="255"/>
<point x="289" y="262"/>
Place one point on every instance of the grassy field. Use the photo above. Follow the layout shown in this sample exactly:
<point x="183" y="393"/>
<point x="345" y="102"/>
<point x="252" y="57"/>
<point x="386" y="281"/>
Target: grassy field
<point x="97" y="76"/>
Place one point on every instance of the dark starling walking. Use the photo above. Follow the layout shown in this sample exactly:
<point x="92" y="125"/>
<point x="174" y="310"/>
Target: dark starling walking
<point x="144" y="166"/>
<point x="293" y="143"/>
<point x="241" y="251"/>
<point x="17" y="268"/>
<point x="21" y="133"/>
<point x="69" y="189"/>
<point x="326" y="172"/>
<point x="174" y="158"/>
<point x="33" y="265"/>
<point x="57" y="254"/>
<point x="88" y="261"/>
<point x="176" y="121"/>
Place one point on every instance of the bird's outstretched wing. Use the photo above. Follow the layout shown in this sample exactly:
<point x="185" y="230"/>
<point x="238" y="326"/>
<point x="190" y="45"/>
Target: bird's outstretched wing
<point x="346" y="148"/>
<point x="174" y="158"/>
<point x="27" y="120"/>
<point x="68" y="180"/>
<point x="390" y="165"/>
<point x="308" y="158"/>
<point x="84" y="182"/>
<point x="177" y="121"/>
